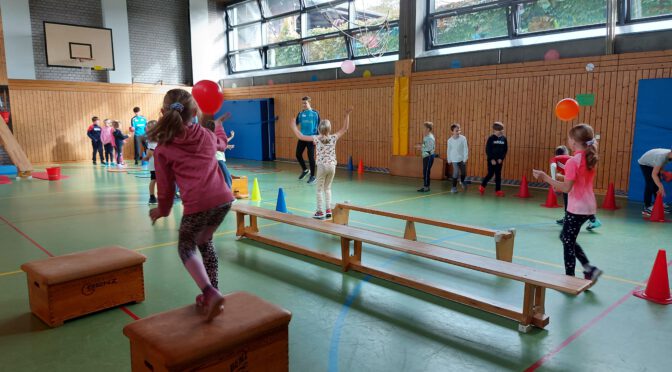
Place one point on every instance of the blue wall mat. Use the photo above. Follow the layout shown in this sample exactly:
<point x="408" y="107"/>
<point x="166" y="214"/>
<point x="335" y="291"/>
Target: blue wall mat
<point x="653" y="129"/>
<point x="8" y="170"/>
<point x="254" y="124"/>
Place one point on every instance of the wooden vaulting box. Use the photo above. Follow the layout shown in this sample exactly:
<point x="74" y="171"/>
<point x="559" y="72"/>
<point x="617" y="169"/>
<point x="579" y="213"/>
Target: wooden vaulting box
<point x="72" y="285"/>
<point x="250" y="335"/>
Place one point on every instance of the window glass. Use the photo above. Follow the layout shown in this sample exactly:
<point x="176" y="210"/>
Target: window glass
<point x="441" y="5"/>
<point x="546" y="15"/>
<point x="325" y="20"/>
<point x="243" y="13"/>
<point x="274" y="7"/>
<point x="245" y="37"/>
<point x="650" y="8"/>
<point x="310" y="3"/>
<point x="282" y="29"/>
<point x="374" y="12"/>
<point x="283" y="56"/>
<point x="374" y="43"/>
<point x="325" y="50"/>
<point x="486" y="24"/>
<point x="245" y="61"/>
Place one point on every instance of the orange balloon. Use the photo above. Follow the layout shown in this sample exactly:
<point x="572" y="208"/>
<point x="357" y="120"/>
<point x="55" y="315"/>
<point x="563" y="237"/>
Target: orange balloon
<point x="567" y="109"/>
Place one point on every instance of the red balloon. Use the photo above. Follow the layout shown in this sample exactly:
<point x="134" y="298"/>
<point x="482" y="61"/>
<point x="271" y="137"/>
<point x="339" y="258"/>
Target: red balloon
<point x="208" y="95"/>
<point x="567" y="109"/>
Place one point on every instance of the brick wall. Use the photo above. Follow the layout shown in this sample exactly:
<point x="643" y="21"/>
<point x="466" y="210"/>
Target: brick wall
<point x="160" y="41"/>
<point x="84" y="13"/>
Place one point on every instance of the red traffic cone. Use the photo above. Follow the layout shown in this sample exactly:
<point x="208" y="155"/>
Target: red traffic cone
<point x="360" y="167"/>
<point x="523" y="192"/>
<point x="658" y="213"/>
<point x="658" y="286"/>
<point x="551" y="199"/>
<point x="610" y="200"/>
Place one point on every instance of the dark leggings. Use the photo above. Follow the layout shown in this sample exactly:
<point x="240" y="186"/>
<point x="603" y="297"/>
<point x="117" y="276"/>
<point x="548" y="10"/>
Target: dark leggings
<point x="460" y="167"/>
<point x="139" y="146"/>
<point x="196" y="230"/>
<point x="565" y="197"/>
<point x="427" y="163"/>
<point x="300" y="147"/>
<point x="650" y="189"/>
<point x="573" y="251"/>
<point x="109" y="153"/>
<point x="495" y="170"/>
<point x="97" y="148"/>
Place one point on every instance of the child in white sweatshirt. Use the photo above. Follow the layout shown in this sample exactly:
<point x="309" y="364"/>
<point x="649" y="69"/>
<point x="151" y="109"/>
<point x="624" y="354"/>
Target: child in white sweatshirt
<point x="458" y="153"/>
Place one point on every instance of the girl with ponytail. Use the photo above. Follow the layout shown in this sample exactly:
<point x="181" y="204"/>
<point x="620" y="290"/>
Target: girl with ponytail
<point x="578" y="183"/>
<point x="185" y="155"/>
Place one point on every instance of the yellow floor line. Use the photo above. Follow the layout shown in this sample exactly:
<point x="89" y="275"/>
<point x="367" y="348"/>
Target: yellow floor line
<point x="11" y="273"/>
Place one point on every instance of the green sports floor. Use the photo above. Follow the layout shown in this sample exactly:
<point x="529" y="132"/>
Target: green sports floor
<point x="341" y="322"/>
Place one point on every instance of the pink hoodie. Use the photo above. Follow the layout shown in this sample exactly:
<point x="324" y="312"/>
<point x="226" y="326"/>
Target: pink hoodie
<point x="190" y="161"/>
<point x="106" y="135"/>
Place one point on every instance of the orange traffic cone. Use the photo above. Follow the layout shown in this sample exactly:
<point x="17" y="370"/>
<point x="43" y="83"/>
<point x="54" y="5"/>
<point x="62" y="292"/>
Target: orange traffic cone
<point x="360" y="167"/>
<point x="524" y="192"/>
<point x="551" y="199"/>
<point x="610" y="200"/>
<point x="658" y="213"/>
<point x="658" y="287"/>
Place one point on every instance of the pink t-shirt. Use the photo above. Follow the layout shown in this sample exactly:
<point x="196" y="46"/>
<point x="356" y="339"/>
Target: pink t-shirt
<point x="581" y="197"/>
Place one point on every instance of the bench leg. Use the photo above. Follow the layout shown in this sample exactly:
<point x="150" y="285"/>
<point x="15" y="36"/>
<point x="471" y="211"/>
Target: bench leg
<point x="533" y="308"/>
<point x="345" y="254"/>
<point x="504" y="246"/>
<point x="240" y="224"/>
<point x="253" y="224"/>
<point x="409" y="232"/>
<point x="340" y="215"/>
<point x="358" y="251"/>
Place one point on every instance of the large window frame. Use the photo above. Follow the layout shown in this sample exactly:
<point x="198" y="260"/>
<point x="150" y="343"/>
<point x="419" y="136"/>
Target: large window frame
<point x="512" y="19"/>
<point x="304" y="38"/>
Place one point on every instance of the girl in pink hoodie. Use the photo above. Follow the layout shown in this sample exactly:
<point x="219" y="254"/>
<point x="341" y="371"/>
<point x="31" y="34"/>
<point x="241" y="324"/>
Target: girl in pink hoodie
<point x="186" y="155"/>
<point x="107" y="139"/>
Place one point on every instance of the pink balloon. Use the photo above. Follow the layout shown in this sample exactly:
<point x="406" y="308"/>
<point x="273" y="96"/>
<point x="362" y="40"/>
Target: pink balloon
<point x="348" y="66"/>
<point x="208" y="95"/>
<point x="552" y="55"/>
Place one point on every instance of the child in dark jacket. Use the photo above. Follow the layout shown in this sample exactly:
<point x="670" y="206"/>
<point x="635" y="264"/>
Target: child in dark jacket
<point x="94" y="134"/>
<point x="495" y="150"/>
<point x="119" y="139"/>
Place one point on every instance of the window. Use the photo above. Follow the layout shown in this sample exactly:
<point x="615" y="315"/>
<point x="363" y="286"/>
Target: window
<point x="441" y="5"/>
<point x="265" y="34"/>
<point x="545" y="15"/>
<point x="649" y="8"/>
<point x="470" y="26"/>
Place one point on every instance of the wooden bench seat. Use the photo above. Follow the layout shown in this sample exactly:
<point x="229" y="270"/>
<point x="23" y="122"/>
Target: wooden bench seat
<point x="536" y="281"/>
<point x="250" y="335"/>
<point x="504" y="239"/>
<point x="72" y="285"/>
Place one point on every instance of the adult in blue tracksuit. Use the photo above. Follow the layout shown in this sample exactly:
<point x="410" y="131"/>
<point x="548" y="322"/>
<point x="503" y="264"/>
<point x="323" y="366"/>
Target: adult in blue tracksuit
<point x="307" y="120"/>
<point x="138" y="123"/>
<point x="93" y="132"/>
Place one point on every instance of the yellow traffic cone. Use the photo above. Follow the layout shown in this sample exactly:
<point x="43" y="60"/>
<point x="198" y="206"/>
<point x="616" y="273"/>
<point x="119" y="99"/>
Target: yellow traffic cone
<point x="256" y="194"/>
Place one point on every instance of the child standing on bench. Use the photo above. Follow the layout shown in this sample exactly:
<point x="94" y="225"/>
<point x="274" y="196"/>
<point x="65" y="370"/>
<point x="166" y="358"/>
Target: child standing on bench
<point x="558" y="172"/>
<point x="325" y="144"/>
<point x="186" y="155"/>
<point x="578" y="183"/>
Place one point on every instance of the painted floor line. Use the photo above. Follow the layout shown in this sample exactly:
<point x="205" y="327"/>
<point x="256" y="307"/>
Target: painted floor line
<point x="61" y="192"/>
<point x="11" y="273"/>
<point x="582" y="330"/>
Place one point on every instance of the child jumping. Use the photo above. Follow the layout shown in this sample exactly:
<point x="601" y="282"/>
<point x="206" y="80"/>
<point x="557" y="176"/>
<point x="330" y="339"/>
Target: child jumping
<point x="107" y="139"/>
<point x="186" y="155"/>
<point x="149" y="158"/>
<point x="458" y="153"/>
<point x="427" y="147"/>
<point x="558" y="172"/>
<point x="119" y="139"/>
<point x="325" y="143"/>
<point x="578" y="183"/>
<point x="495" y="150"/>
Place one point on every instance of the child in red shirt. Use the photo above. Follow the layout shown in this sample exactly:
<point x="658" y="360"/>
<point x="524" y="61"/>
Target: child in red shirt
<point x="186" y="155"/>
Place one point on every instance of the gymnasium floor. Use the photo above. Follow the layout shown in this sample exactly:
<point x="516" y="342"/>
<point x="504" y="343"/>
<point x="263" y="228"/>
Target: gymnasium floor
<point x="341" y="322"/>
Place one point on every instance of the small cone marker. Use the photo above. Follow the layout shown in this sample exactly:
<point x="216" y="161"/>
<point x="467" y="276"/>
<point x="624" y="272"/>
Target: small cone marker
<point x="351" y="167"/>
<point x="360" y="167"/>
<point x="658" y="213"/>
<point x="551" y="199"/>
<point x="281" y="206"/>
<point x="610" y="200"/>
<point x="658" y="287"/>
<point x="256" y="194"/>
<point x="524" y="192"/>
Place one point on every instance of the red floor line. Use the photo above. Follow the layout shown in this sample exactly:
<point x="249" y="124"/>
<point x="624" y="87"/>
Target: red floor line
<point x="123" y="308"/>
<point x="27" y="237"/>
<point x="582" y="330"/>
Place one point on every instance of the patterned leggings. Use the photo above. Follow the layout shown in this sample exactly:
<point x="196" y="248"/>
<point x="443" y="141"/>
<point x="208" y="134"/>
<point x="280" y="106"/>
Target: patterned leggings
<point x="196" y="231"/>
<point x="573" y="251"/>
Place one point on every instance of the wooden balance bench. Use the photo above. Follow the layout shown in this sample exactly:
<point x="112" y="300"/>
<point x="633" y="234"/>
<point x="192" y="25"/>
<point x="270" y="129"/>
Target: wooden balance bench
<point x="250" y="335"/>
<point x="535" y="281"/>
<point x="503" y="239"/>
<point x="72" y="285"/>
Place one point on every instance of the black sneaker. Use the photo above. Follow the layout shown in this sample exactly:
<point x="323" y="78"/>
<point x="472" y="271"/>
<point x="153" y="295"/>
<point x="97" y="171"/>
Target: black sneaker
<point x="593" y="274"/>
<point x="560" y="221"/>
<point x="423" y="189"/>
<point x="94" y="163"/>
<point x="304" y="174"/>
<point x="152" y="199"/>
<point x="646" y="212"/>
<point x="311" y="180"/>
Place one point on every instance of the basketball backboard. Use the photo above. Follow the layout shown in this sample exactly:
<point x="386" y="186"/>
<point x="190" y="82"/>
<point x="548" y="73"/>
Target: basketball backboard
<point x="78" y="46"/>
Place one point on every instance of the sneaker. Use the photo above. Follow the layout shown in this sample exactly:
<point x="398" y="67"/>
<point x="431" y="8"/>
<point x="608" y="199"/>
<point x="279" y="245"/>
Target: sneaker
<point x="423" y="189"/>
<point x="560" y="221"/>
<point x="304" y="174"/>
<point x="136" y="162"/>
<point x="328" y="213"/>
<point x="94" y="163"/>
<point x="318" y="215"/>
<point x="646" y="212"/>
<point x="462" y="186"/>
<point x="594" y="225"/>
<point x="481" y="189"/>
<point x="453" y="190"/>
<point x="312" y="180"/>
<point x="593" y="274"/>
<point x="667" y="208"/>
<point x="213" y="303"/>
<point x="152" y="199"/>
<point x="499" y="194"/>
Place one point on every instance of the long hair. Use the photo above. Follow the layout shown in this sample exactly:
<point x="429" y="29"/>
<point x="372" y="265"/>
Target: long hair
<point x="324" y="129"/>
<point x="584" y="134"/>
<point x="178" y="108"/>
